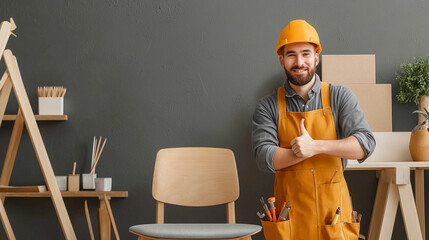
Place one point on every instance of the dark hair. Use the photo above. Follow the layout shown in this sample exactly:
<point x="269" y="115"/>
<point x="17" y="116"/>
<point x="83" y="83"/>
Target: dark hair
<point x="283" y="48"/>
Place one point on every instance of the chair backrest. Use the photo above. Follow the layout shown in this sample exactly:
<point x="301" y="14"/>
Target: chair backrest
<point x="195" y="177"/>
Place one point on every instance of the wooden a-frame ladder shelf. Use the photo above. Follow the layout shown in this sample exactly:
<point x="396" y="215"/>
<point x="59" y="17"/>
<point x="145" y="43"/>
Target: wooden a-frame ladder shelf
<point x="11" y="79"/>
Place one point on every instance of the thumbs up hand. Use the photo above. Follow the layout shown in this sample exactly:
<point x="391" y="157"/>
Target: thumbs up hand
<point x="303" y="131"/>
<point x="303" y="146"/>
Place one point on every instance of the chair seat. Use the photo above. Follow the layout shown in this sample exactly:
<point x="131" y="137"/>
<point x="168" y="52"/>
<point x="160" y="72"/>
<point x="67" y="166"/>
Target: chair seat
<point x="196" y="231"/>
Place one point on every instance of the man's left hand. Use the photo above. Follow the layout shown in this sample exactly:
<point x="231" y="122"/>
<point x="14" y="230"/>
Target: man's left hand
<point x="303" y="146"/>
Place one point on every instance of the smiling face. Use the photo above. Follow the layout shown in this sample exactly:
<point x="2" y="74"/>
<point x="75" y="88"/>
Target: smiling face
<point x="299" y="60"/>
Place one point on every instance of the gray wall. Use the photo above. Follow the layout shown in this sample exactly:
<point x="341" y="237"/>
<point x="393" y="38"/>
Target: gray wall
<point x="150" y="74"/>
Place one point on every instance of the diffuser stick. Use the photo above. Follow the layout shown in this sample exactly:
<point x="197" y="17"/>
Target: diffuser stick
<point x="96" y="152"/>
<point x="98" y="157"/>
<point x="94" y="143"/>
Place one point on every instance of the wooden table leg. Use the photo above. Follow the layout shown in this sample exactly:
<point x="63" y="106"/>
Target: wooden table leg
<point x="409" y="212"/>
<point x="389" y="213"/>
<point x="420" y="198"/>
<point x="394" y="187"/>
<point x="379" y="204"/>
<point x="103" y="221"/>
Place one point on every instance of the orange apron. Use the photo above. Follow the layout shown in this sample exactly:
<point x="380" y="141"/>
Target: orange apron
<point x="316" y="186"/>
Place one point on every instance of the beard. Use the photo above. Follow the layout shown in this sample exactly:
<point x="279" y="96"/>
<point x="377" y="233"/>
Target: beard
<point x="300" y="80"/>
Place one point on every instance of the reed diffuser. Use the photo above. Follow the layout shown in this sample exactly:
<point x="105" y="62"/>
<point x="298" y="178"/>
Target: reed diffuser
<point x="89" y="178"/>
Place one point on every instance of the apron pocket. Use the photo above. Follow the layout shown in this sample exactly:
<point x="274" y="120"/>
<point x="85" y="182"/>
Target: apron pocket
<point x="276" y="230"/>
<point x="352" y="230"/>
<point x="331" y="232"/>
<point x="337" y="232"/>
<point x="328" y="200"/>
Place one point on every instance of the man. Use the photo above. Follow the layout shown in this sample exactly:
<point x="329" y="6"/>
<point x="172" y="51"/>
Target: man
<point x="305" y="132"/>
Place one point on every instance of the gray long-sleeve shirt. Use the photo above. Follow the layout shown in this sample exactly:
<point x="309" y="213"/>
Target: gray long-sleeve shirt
<point x="349" y="120"/>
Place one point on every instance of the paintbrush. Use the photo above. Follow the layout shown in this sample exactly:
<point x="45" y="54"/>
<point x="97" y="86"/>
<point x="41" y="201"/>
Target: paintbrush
<point x="74" y="168"/>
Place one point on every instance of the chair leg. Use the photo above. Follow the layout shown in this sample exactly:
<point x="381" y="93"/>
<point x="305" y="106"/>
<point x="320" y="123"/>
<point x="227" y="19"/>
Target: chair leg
<point x="144" y="238"/>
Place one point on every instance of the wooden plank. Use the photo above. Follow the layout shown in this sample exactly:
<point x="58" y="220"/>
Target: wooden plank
<point x="6" y="223"/>
<point x="39" y="147"/>
<point x="389" y="213"/>
<point x="354" y="165"/>
<point x="5" y="29"/>
<point x="68" y="194"/>
<point x="104" y="230"/>
<point x="12" y="149"/>
<point x="112" y="219"/>
<point x="10" y="117"/>
<point x="4" y="97"/>
<point x="420" y="198"/>
<point x="401" y="176"/>
<point x="39" y="188"/>
<point x="3" y="79"/>
<point x="409" y="212"/>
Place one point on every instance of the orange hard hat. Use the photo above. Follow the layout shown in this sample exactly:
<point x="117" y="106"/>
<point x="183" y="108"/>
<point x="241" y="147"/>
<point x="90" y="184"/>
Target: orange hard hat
<point x="298" y="31"/>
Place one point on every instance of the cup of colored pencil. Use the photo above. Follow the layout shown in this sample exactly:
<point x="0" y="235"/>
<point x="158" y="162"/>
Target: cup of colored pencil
<point x="88" y="179"/>
<point x="51" y="100"/>
<point x="51" y="91"/>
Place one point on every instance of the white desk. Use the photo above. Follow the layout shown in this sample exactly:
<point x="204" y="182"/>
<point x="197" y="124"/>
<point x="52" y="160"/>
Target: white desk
<point x="393" y="162"/>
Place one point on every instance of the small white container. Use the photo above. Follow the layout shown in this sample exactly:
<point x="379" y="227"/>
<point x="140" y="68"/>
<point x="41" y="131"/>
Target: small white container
<point x="62" y="182"/>
<point x="51" y="105"/>
<point x="103" y="184"/>
<point x="88" y="180"/>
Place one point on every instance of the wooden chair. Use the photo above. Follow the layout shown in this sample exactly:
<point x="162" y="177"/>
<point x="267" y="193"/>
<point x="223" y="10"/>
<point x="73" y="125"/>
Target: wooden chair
<point x="195" y="177"/>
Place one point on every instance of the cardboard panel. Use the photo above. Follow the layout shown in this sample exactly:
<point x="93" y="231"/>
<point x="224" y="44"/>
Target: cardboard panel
<point x="376" y="102"/>
<point x="386" y="141"/>
<point x="348" y="69"/>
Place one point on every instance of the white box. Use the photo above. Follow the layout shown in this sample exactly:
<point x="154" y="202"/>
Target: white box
<point x="51" y="105"/>
<point x="88" y="180"/>
<point x="62" y="182"/>
<point x="103" y="184"/>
